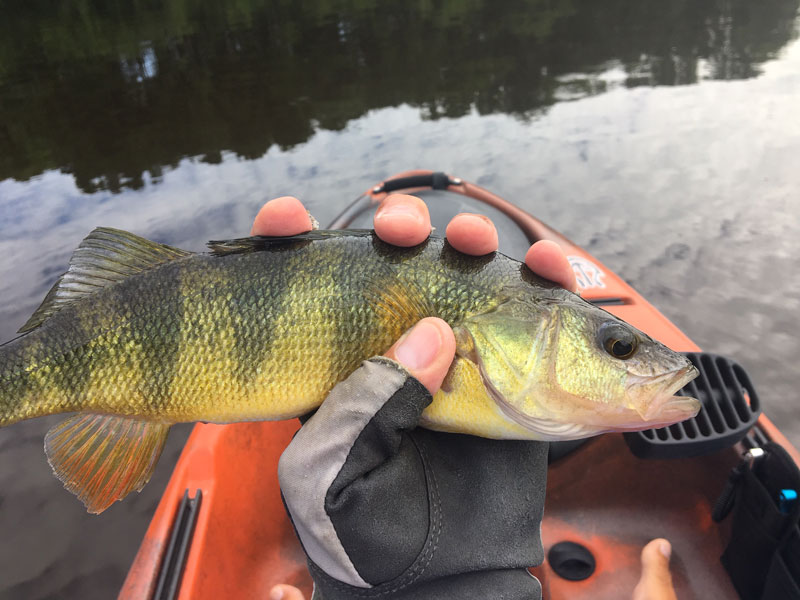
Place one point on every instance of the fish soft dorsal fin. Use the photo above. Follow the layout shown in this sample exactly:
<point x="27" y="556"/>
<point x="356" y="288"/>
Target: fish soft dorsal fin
<point x="102" y="458"/>
<point x="258" y="243"/>
<point x="103" y="258"/>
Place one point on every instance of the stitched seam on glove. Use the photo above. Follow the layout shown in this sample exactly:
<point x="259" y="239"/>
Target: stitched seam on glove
<point x="379" y="502"/>
<point x="423" y="560"/>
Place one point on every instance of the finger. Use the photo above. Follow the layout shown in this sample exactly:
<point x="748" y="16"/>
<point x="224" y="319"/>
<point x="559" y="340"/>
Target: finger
<point x="402" y="220"/>
<point x="547" y="259"/>
<point x="426" y="350"/>
<point x="472" y="234"/>
<point x="285" y="592"/>
<point x="656" y="580"/>
<point x="282" y="216"/>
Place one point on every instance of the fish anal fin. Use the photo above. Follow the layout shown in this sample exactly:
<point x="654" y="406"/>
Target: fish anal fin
<point x="102" y="458"/>
<point x="104" y="257"/>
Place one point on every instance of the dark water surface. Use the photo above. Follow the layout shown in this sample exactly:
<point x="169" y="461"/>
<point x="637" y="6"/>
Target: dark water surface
<point x="663" y="137"/>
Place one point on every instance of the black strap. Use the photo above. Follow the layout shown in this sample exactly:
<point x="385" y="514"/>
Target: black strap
<point x="437" y="181"/>
<point x="724" y="503"/>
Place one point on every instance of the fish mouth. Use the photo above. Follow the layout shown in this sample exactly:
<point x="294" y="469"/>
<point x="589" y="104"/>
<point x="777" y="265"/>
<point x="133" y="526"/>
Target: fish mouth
<point x="663" y="407"/>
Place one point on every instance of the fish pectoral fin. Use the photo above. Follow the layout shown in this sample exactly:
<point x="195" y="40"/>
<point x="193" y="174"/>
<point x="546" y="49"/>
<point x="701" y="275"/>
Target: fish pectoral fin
<point x="102" y="458"/>
<point x="397" y="301"/>
<point x="104" y="257"/>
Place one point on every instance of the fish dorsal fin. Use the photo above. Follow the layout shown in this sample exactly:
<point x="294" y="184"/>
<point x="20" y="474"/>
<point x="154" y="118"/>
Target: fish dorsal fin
<point x="258" y="243"/>
<point x="103" y="258"/>
<point x="102" y="458"/>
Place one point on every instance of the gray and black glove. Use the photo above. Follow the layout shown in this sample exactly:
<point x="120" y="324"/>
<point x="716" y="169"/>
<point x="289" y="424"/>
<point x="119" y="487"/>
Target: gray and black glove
<point x="387" y="510"/>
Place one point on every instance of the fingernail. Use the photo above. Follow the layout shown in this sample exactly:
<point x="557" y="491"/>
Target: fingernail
<point x="276" y="593"/>
<point x="399" y="208"/>
<point x="665" y="549"/>
<point x="474" y="217"/>
<point x="419" y="347"/>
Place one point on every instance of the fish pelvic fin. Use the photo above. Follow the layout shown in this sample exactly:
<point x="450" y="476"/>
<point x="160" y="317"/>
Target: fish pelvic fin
<point x="105" y="257"/>
<point x="101" y="458"/>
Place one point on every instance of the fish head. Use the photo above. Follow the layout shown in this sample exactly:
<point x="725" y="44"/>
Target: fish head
<point x="566" y="369"/>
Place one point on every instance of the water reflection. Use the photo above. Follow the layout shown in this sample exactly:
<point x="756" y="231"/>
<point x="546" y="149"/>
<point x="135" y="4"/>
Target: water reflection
<point x="115" y="94"/>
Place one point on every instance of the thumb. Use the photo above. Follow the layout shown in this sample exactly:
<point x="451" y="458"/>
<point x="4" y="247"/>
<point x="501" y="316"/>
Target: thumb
<point x="656" y="580"/>
<point x="426" y="350"/>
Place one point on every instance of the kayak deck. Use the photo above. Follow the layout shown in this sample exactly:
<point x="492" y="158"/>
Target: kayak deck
<point x="599" y="498"/>
<point x="600" y="495"/>
<point x="243" y="542"/>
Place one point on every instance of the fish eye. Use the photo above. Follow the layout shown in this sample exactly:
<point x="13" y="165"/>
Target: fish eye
<point x="617" y="340"/>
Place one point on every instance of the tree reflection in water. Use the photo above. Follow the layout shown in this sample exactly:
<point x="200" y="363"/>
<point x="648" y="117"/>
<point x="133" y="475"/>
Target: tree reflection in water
<point x="117" y="92"/>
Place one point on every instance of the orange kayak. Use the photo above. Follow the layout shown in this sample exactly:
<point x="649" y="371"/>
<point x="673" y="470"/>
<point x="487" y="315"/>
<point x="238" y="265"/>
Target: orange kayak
<point x="220" y="530"/>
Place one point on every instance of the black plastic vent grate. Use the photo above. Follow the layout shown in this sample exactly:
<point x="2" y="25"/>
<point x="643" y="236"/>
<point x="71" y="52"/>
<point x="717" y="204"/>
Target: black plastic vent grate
<point x="730" y="407"/>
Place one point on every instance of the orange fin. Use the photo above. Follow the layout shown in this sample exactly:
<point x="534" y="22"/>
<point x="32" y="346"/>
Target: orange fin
<point x="102" y="458"/>
<point x="398" y="301"/>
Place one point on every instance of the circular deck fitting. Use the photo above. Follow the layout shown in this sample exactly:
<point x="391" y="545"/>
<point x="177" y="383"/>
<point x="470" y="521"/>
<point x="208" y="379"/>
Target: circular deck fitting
<point x="571" y="561"/>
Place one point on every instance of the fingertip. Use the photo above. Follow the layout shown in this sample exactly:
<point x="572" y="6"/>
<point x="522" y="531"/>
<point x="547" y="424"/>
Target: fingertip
<point x="402" y="220"/>
<point x="426" y="350"/>
<point x="658" y="549"/>
<point x="282" y="216"/>
<point x="276" y="593"/>
<point x="285" y="592"/>
<point x="472" y="234"/>
<point x="547" y="259"/>
<point x="656" y="579"/>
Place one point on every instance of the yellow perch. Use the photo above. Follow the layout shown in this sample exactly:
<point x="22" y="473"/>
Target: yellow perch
<point x="136" y="336"/>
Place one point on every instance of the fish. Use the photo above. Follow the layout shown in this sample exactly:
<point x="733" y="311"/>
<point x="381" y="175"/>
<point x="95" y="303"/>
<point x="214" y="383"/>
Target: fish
<point x="137" y="336"/>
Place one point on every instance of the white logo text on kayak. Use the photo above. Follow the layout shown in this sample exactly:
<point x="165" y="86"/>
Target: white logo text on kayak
<point x="588" y="274"/>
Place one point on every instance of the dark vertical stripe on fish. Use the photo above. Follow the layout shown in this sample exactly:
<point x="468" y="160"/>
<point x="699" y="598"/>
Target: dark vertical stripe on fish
<point x="254" y="337"/>
<point x="68" y="369"/>
<point x="159" y="340"/>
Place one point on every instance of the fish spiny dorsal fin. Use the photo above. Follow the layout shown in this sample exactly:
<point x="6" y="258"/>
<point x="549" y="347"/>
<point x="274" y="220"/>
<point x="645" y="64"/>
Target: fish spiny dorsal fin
<point x="258" y="243"/>
<point x="103" y="258"/>
<point x="101" y="458"/>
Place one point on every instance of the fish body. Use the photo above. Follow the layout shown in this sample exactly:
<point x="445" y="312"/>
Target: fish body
<point x="137" y="336"/>
<point x="256" y="335"/>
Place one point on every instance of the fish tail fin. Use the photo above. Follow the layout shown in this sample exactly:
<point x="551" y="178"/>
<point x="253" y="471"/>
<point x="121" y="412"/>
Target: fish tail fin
<point x="102" y="458"/>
